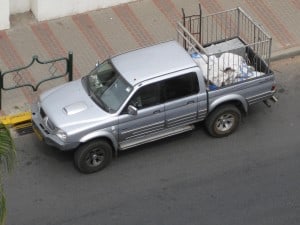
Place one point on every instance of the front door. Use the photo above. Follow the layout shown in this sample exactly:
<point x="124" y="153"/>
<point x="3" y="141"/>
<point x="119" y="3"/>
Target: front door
<point x="149" y="120"/>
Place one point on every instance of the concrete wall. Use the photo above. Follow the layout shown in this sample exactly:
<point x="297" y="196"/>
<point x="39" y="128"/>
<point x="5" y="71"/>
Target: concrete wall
<point x="45" y="10"/>
<point x="50" y="9"/>
<point x="19" y="6"/>
<point x="4" y="14"/>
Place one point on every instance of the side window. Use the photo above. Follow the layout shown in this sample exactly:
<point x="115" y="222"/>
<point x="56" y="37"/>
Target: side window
<point x="181" y="86"/>
<point x="147" y="96"/>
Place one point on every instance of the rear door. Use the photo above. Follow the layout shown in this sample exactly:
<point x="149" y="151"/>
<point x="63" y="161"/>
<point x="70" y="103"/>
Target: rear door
<point x="181" y="99"/>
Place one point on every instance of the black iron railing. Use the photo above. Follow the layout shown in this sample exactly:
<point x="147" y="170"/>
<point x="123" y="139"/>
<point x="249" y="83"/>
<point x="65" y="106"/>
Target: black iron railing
<point x="19" y="82"/>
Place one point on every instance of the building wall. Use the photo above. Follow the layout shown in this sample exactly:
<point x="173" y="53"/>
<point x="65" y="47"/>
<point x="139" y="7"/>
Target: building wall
<point x="4" y="14"/>
<point x="45" y="10"/>
<point x="50" y="9"/>
<point x="19" y="6"/>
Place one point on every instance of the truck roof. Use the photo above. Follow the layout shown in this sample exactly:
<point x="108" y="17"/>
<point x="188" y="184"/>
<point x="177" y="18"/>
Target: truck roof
<point x="149" y="62"/>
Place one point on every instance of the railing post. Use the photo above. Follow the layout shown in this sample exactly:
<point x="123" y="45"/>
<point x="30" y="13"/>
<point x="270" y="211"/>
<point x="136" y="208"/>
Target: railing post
<point x="200" y="24"/>
<point x="269" y="56"/>
<point x="238" y="22"/>
<point x="184" y="24"/>
<point x="70" y="66"/>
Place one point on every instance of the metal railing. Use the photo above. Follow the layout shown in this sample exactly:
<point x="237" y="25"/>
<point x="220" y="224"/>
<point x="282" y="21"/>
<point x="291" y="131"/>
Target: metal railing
<point x="224" y="26"/>
<point x="54" y="72"/>
<point x="231" y="31"/>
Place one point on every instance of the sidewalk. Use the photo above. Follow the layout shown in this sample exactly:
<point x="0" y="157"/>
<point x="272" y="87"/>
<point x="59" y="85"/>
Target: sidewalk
<point x="95" y="35"/>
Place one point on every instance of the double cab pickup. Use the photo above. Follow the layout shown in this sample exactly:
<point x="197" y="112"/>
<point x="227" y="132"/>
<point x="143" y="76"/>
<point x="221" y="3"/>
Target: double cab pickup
<point x="153" y="93"/>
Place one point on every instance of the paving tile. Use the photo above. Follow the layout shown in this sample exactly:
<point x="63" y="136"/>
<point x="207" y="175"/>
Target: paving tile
<point x="114" y="31"/>
<point x="72" y="39"/>
<point x="154" y="21"/>
<point x="133" y="25"/>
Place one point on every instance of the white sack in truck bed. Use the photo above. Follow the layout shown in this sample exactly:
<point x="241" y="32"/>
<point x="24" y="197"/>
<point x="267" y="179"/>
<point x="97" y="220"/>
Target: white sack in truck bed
<point x="226" y="69"/>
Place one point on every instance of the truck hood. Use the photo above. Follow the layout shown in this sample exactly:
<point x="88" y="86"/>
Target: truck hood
<point x="69" y="105"/>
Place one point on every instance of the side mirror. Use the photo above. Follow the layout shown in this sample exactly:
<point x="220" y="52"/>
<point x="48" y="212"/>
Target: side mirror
<point x="132" y="110"/>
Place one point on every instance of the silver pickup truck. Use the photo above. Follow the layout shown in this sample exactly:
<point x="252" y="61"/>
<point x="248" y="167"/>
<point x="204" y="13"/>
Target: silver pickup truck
<point x="162" y="90"/>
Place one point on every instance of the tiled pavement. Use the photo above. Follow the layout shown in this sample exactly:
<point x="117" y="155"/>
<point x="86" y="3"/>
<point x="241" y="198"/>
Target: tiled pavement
<point x="95" y="35"/>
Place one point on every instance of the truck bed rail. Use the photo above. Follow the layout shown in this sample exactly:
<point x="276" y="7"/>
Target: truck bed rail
<point x="231" y="44"/>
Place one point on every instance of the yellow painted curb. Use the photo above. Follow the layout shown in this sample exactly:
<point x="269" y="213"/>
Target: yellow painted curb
<point x="15" y="119"/>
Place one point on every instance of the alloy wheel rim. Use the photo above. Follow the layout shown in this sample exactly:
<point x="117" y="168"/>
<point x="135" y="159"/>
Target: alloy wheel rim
<point x="95" y="158"/>
<point x="225" y="122"/>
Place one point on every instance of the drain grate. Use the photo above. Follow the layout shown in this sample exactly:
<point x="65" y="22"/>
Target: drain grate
<point x="23" y="128"/>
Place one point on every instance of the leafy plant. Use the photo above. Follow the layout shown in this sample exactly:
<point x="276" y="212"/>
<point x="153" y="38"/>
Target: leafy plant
<point x="7" y="159"/>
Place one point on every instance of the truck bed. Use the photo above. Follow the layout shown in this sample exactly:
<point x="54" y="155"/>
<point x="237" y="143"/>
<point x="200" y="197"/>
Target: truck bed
<point x="229" y="62"/>
<point x="228" y="46"/>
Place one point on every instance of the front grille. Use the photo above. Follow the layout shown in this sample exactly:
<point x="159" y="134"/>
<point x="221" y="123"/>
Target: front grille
<point x="44" y="129"/>
<point x="43" y="114"/>
<point x="48" y="123"/>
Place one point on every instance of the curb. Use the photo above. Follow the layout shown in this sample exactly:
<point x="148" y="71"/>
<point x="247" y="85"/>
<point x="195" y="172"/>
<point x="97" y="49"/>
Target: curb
<point x="20" y="123"/>
<point x="15" y="119"/>
<point x="286" y="53"/>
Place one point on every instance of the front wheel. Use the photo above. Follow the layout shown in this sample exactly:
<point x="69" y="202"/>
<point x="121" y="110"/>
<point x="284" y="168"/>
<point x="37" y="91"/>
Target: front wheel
<point x="223" y="121"/>
<point x="93" y="156"/>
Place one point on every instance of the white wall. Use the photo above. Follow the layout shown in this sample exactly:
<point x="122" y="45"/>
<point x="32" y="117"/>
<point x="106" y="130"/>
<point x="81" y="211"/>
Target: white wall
<point x="19" y="6"/>
<point x="50" y="9"/>
<point x="4" y="14"/>
<point x="45" y="10"/>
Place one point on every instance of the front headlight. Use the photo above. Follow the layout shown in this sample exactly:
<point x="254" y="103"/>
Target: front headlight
<point x="61" y="135"/>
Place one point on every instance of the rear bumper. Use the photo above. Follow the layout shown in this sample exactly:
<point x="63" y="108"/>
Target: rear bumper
<point x="260" y="97"/>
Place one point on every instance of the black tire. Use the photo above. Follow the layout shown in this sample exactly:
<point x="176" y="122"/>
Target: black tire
<point x="223" y="121"/>
<point x="93" y="156"/>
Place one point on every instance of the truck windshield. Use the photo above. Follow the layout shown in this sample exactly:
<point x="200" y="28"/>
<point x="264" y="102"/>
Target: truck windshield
<point x="107" y="88"/>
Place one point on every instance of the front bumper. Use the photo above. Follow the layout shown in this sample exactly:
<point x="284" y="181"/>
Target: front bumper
<point x="46" y="135"/>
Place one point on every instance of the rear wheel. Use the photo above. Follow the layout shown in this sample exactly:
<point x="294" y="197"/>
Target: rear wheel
<point x="93" y="156"/>
<point x="223" y="121"/>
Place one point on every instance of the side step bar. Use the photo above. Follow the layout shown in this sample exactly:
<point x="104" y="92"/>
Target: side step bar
<point x="154" y="137"/>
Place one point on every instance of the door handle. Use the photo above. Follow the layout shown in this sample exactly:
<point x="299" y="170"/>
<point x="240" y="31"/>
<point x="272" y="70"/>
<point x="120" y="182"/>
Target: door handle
<point x="190" y="102"/>
<point x="157" y="111"/>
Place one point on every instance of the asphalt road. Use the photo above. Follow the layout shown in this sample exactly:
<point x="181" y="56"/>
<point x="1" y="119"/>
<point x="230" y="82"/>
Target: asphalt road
<point x="251" y="177"/>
